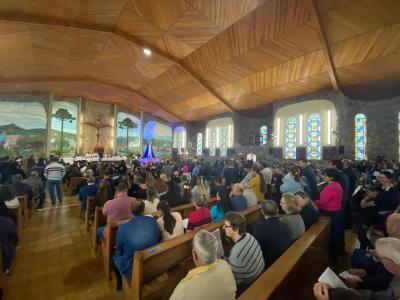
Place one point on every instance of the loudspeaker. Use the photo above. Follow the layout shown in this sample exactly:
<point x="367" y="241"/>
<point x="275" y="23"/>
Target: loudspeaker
<point x="277" y="152"/>
<point x="271" y="151"/>
<point x="174" y="154"/>
<point x="217" y="152"/>
<point x="230" y="152"/>
<point x="341" y="150"/>
<point x="328" y="152"/>
<point x="206" y="152"/>
<point x="301" y="152"/>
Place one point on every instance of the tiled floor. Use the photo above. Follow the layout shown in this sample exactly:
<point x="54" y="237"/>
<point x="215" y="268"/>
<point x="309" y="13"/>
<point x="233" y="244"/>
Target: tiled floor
<point x="55" y="260"/>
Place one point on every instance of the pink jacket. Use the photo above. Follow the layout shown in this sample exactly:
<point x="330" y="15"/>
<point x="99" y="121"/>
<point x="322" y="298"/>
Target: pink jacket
<point x="330" y="197"/>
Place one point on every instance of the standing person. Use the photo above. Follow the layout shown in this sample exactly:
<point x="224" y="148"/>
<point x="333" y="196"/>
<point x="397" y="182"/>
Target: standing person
<point x="230" y="174"/>
<point x="291" y="182"/>
<point x="257" y="183"/>
<point x="267" y="173"/>
<point x="330" y="204"/>
<point x="37" y="187"/>
<point x="307" y="171"/>
<point x="292" y="218"/>
<point x="309" y="211"/>
<point x="8" y="242"/>
<point x="278" y="181"/>
<point x="238" y="201"/>
<point x="54" y="173"/>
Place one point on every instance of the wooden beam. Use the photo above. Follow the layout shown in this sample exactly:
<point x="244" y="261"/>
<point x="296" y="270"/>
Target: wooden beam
<point x="325" y="46"/>
<point x="19" y="18"/>
<point x="142" y="98"/>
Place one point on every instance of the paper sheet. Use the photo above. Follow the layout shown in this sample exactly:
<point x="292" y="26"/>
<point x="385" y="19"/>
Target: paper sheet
<point x="329" y="277"/>
<point x="12" y="203"/>
<point x="185" y="223"/>
<point x="217" y="234"/>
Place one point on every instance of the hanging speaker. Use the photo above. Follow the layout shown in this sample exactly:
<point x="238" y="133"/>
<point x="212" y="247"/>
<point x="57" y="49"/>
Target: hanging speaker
<point x="301" y="152"/>
<point x="230" y="152"/>
<point x="206" y="152"/>
<point x="329" y="152"/>
<point x="341" y="150"/>
<point x="277" y="152"/>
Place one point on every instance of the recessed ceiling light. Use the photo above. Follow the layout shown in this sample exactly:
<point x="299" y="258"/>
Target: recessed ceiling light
<point x="147" y="52"/>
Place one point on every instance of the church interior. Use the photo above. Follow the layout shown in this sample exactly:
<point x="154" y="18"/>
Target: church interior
<point x="200" y="149"/>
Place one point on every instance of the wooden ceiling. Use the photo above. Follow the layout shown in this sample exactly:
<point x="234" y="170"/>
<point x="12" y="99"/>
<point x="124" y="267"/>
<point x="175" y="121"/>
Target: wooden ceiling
<point x="208" y="56"/>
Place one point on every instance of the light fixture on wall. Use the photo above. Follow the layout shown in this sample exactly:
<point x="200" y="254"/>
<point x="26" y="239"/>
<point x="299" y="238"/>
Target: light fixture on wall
<point x="147" y="51"/>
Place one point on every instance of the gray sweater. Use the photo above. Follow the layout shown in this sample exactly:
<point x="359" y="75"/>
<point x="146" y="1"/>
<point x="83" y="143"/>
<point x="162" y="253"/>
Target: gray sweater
<point x="246" y="259"/>
<point x="295" y="224"/>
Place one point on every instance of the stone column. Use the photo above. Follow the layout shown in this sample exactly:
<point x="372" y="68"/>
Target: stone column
<point x="49" y="117"/>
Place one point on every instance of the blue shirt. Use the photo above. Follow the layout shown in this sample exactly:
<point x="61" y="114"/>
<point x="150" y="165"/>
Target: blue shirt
<point x="238" y="203"/>
<point x="139" y="233"/>
<point x="85" y="191"/>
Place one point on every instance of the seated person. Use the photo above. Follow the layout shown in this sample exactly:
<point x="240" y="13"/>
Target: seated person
<point x="251" y="198"/>
<point x="5" y="195"/>
<point x="246" y="258"/>
<point x="309" y="211"/>
<point x="201" y="188"/>
<point x="8" y="242"/>
<point x="238" y="201"/>
<point x="272" y="234"/>
<point x="201" y="215"/>
<point x="137" y="234"/>
<point x="212" y="278"/>
<point x="170" y="223"/>
<point x="150" y="204"/>
<point x="18" y="188"/>
<point x="292" y="217"/>
<point x="173" y="195"/>
<point x="117" y="209"/>
<point x="89" y="190"/>
<point x="105" y="193"/>
<point x="140" y="192"/>
<point x="37" y="187"/>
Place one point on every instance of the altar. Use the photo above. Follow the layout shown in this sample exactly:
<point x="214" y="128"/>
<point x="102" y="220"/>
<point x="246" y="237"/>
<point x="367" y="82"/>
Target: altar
<point x="94" y="158"/>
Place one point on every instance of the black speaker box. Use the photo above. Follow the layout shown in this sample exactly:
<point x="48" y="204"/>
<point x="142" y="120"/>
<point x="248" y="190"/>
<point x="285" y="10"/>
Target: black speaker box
<point x="206" y="152"/>
<point x="277" y="152"/>
<point x="329" y="152"/>
<point x="230" y="152"/>
<point x="341" y="150"/>
<point x="301" y="152"/>
<point x="217" y="152"/>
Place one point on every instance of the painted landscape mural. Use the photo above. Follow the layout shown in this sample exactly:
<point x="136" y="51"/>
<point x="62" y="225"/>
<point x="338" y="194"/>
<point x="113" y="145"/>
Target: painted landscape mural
<point x="160" y="136"/>
<point x="64" y="128"/>
<point x="128" y="133"/>
<point x="22" y="128"/>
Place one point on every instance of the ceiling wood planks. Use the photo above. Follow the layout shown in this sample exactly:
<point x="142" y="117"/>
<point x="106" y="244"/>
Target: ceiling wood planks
<point x="208" y="56"/>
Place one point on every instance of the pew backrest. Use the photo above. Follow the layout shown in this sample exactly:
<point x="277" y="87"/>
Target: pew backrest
<point x="73" y="184"/>
<point x="18" y="213"/>
<point x="273" y="283"/>
<point x="89" y="203"/>
<point x="98" y="221"/>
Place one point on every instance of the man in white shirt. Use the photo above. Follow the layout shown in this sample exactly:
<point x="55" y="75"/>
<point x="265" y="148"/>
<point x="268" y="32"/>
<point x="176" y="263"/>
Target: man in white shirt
<point x="54" y="174"/>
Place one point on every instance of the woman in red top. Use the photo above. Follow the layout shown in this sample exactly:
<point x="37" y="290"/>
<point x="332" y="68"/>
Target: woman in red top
<point x="330" y="205"/>
<point x="201" y="215"/>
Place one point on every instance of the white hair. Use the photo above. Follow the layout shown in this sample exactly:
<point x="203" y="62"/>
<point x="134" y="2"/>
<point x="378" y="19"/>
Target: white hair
<point x="388" y="247"/>
<point x="205" y="245"/>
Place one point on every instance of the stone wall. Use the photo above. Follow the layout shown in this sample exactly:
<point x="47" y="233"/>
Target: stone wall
<point x="382" y="125"/>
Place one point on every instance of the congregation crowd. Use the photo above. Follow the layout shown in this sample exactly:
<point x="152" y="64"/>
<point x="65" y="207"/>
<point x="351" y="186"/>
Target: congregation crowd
<point x="362" y="197"/>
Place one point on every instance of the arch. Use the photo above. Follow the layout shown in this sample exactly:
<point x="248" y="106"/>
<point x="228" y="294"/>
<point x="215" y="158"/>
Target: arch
<point x="314" y="137"/>
<point x="263" y="135"/>
<point x="360" y="137"/>
<point x="199" y="144"/>
<point x="290" y="138"/>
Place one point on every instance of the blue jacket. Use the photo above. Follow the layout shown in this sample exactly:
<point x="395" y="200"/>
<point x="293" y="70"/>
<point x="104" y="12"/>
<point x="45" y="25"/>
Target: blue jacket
<point x="85" y="191"/>
<point x="139" y="233"/>
<point x="238" y="203"/>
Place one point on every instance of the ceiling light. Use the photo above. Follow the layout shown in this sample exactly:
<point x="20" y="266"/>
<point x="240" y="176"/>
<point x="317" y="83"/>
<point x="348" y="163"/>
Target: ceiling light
<point x="147" y="52"/>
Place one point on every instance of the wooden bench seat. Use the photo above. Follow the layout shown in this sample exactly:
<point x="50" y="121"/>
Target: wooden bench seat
<point x="153" y="262"/>
<point x="293" y="274"/>
<point x="73" y="184"/>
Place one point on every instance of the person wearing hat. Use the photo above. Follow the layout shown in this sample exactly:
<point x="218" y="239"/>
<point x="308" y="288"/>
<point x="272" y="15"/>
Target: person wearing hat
<point x="387" y="199"/>
<point x="330" y="205"/>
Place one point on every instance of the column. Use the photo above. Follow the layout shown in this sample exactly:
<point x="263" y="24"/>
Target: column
<point x="49" y="117"/>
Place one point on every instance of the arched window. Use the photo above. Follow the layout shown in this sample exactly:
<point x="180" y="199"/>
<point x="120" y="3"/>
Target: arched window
<point x="219" y="134"/>
<point x="199" y="144"/>
<point x="290" y="142"/>
<point x="314" y="137"/>
<point x="179" y="138"/>
<point x="263" y="135"/>
<point x="361" y="136"/>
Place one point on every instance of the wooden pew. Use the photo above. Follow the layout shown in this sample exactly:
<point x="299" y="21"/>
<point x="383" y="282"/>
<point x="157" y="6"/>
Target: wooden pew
<point x="73" y="184"/>
<point x="173" y="255"/>
<point x="89" y="203"/>
<point x="293" y="275"/>
<point x="111" y="233"/>
<point x="18" y="213"/>
<point x="98" y="221"/>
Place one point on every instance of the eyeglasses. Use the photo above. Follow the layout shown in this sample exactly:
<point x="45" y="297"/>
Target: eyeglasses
<point x="226" y="226"/>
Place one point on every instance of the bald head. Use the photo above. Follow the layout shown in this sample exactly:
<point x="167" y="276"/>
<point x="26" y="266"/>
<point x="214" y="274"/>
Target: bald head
<point x="393" y="225"/>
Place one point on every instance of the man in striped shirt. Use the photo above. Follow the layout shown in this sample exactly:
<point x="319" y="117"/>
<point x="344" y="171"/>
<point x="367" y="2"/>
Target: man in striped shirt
<point x="246" y="258"/>
<point x="54" y="174"/>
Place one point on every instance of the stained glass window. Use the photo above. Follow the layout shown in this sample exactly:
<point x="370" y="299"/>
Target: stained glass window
<point x="199" y="148"/>
<point x="224" y="140"/>
<point x="314" y="137"/>
<point x="263" y="135"/>
<point x="179" y="138"/>
<point x="361" y="137"/>
<point x="213" y="144"/>
<point x="290" y="142"/>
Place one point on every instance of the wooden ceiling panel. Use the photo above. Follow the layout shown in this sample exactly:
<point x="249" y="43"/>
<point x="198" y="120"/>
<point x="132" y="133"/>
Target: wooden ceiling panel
<point x="201" y="113"/>
<point x="224" y="13"/>
<point x="173" y="46"/>
<point x="132" y="23"/>
<point x="161" y="13"/>
<point x="357" y="17"/>
<point x="194" y="29"/>
<point x="183" y="92"/>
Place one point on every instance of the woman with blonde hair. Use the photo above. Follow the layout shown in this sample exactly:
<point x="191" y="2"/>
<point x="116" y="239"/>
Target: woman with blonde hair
<point x="201" y="188"/>
<point x="257" y="183"/>
<point x="292" y="216"/>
